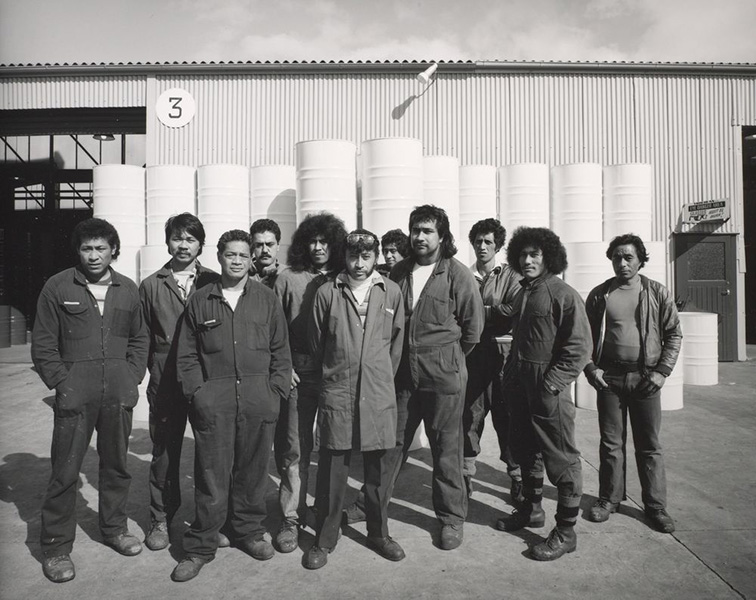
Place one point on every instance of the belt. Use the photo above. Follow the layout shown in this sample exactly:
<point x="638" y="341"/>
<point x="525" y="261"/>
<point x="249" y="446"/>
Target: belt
<point x="619" y="366"/>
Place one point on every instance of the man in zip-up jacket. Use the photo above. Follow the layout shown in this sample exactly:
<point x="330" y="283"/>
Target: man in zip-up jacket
<point x="89" y="343"/>
<point x="234" y="366"/>
<point x="550" y="347"/>
<point x="164" y="295"/>
<point x="636" y="342"/>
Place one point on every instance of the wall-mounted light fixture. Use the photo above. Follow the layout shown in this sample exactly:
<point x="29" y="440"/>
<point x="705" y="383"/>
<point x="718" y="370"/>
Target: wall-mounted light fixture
<point x="426" y="75"/>
<point x="104" y="137"/>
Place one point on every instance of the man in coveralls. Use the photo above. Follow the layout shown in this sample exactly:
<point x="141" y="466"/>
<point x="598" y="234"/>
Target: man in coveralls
<point x="164" y="295"/>
<point x="636" y="342"/>
<point x="356" y="335"/>
<point x="89" y="343"/>
<point x="265" y="235"/>
<point x="314" y="256"/>
<point x="235" y="369"/>
<point x="499" y="287"/>
<point x="551" y="345"/>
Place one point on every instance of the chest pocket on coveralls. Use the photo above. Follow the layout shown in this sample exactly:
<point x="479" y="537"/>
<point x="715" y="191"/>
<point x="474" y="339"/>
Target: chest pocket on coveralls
<point x="258" y="336"/>
<point x="211" y="337"/>
<point x="435" y="310"/>
<point x="75" y="320"/>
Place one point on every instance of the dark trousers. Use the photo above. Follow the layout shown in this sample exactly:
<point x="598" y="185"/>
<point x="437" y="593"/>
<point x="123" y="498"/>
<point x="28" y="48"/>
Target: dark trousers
<point x="168" y="414"/>
<point x="543" y="434"/>
<point x="333" y="473"/>
<point x="614" y="404"/>
<point x="96" y="407"/>
<point x="294" y="443"/>
<point x="484" y="394"/>
<point x="232" y="450"/>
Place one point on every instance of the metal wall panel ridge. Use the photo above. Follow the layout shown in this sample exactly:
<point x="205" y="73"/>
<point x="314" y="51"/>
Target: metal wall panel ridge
<point x="73" y="92"/>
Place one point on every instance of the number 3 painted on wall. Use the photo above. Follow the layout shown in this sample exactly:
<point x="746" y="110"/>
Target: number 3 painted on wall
<point x="175" y="107"/>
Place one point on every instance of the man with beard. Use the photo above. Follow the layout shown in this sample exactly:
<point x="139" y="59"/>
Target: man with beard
<point x="266" y="239"/>
<point x="356" y="335"/>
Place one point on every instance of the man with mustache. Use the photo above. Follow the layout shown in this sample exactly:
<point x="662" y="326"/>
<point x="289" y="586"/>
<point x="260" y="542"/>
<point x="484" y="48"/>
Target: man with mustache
<point x="266" y="240"/>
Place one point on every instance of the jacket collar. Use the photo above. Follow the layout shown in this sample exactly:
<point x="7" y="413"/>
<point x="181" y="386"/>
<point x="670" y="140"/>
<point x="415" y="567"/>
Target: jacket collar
<point x="538" y="281"/>
<point x="217" y="288"/>
<point x="376" y="278"/>
<point x="80" y="278"/>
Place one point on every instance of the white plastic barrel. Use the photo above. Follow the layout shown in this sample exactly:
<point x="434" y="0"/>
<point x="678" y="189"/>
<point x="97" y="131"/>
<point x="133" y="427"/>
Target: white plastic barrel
<point x="628" y="200"/>
<point x="171" y="190"/>
<point x="5" y="326"/>
<point x="477" y="201"/>
<point x="392" y="182"/>
<point x="524" y="195"/>
<point x="588" y="266"/>
<point x="672" y="391"/>
<point x="441" y="188"/>
<point x="141" y="412"/>
<point x="127" y="262"/>
<point x="152" y="258"/>
<point x="273" y="196"/>
<point x="326" y="179"/>
<point x="576" y="202"/>
<point x="222" y="200"/>
<point x="700" y="348"/>
<point x="18" y="327"/>
<point x="656" y="267"/>
<point x="585" y="396"/>
<point x="118" y="197"/>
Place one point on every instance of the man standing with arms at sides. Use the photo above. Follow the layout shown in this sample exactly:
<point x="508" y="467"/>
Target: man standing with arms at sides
<point x="266" y="237"/>
<point x="636" y="342"/>
<point x="315" y="254"/>
<point x="395" y="248"/>
<point x="89" y="344"/>
<point x="499" y="288"/>
<point x="356" y="335"/>
<point x="164" y="295"/>
<point x="551" y="346"/>
<point x="235" y="368"/>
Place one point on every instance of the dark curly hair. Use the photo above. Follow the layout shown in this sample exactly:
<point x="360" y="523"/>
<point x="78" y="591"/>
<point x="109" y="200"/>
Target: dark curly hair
<point x="234" y="235"/>
<point x="325" y="224"/>
<point x="428" y="212"/>
<point x="485" y="226"/>
<point x="91" y="229"/>
<point x="185" y="222"/>
<point x="399" y="239"/>
<point x="554" y="254"/>
<point x="629" y="238"/>
<point x="263" y="225"/>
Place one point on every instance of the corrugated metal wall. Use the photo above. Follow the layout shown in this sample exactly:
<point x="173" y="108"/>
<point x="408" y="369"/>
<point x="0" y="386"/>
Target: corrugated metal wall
<point x="72" y="92"/>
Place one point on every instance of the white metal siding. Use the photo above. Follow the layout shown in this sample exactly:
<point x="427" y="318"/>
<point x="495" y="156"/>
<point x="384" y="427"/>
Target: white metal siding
<point x="71" y="92"/>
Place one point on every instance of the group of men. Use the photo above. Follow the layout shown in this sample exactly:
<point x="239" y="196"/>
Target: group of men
<point x="256" y="356"/>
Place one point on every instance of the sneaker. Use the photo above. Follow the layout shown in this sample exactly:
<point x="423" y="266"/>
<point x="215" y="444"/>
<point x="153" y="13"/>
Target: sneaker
<point x="660" y="520"/>
<point x="59" y="569"/>
<point x="287" y="538"/>
<point x="157" y="538"/>
<point x="601" y="511"/>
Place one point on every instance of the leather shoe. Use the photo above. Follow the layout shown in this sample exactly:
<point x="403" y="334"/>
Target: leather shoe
<point x="354" y="514"/>
<point x="223" y="541"/>
<point x="157" y="538"/>
<point x="124" y="543"/>
<point x="561" y="540"/>
<point x="521" y="518"/>
<point x="660" y="520"/>
<point x="315" y="558"/>
<point x="188" y="568"/>
<point x="386" y="547"/>
<point x="451" y="536"/>
<point x="601" y="511"/>
<point x="59" y="569"/>
<point x="287" y="538"/>
<point x="258" y="549"/>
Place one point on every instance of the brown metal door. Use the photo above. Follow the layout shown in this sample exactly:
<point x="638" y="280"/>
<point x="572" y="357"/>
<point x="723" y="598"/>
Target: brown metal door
<point x="705" y="279"/>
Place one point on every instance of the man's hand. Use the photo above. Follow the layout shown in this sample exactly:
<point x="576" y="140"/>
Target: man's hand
<point x="294" y="379"/>
<point x="596" y="379"/>
<point x="652" y="383"/>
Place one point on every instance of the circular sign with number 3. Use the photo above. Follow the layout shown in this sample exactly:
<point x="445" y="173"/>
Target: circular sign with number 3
<point x="175" y="107"/>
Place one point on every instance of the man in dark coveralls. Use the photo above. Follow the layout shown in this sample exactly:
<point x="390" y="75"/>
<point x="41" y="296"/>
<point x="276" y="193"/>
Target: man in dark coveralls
<point x="234" y="367"/>
<point x="89" y="343"/>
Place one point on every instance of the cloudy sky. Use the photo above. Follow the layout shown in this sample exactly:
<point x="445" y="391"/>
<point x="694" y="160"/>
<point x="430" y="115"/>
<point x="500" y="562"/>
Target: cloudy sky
<point x="95" y="31"/>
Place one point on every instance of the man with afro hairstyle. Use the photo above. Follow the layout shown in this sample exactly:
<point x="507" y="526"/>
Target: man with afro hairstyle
<point x="551" y="345"/>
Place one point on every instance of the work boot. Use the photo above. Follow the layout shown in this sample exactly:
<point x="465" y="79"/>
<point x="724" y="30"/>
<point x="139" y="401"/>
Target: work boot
<point x="223" y="541"/>
<point x="522" y="517"/>
<point x="561" y="540"/>
<point x="188" y="568"/>
<point x="59" y="569"/>
<point x="451" y="536"/>
<point x="386" y="547"/>
<point x="353" y="514"/>
<point x="257" y="548"/>
<point x="287" y="538"/>
<point x="469" y="485"/>
<point x="515" y="493"/>
<point x="315" y="558"/>
<point x="601" y="511"/>
<point x="157" y="538"/>
<point x="124" y="543"/>
<point x="660" y="520"/>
